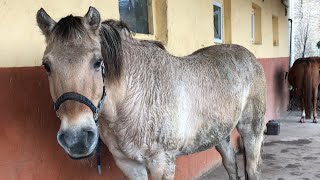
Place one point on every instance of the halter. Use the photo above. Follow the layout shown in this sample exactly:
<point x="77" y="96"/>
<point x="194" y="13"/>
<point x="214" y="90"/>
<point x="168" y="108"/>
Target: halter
<point x="84" y="100"/>
<point x="95" y="109"/>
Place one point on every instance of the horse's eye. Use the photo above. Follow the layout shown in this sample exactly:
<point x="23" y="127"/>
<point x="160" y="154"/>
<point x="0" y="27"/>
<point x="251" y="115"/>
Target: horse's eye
<point x="47" y="67"/>
<point x="97" y="64"/>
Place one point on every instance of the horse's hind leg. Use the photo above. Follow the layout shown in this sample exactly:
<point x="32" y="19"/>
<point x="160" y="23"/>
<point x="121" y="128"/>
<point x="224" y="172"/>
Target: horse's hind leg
<point x="252" y="144"/>
<point x="315" y="94"/>
<point x="228" y="158"/>
<point x="303" y="115"/>
<point x="251" y="127"/>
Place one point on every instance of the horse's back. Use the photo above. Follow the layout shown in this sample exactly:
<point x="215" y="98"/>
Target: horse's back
<point x="229" y="63"/>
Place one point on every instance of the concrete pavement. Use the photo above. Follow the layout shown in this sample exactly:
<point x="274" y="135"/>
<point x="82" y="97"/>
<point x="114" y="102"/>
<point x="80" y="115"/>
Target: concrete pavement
<point x="292" y="155"/>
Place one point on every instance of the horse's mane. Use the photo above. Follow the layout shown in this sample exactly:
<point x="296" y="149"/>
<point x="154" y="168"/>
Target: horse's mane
<point x="124" y="28"/>
<point x="70" y="28"/>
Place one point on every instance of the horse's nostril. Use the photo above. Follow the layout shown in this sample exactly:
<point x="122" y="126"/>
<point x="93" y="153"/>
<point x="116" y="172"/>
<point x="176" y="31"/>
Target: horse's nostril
<point x="62" y="140"/>
<point x="90" y="137"/>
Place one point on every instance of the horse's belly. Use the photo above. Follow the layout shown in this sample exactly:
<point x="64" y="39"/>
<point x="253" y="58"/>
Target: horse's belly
<point x="207" y="136"/>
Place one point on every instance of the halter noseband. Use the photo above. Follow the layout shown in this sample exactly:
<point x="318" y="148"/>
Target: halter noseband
<point x="84" y="100"/>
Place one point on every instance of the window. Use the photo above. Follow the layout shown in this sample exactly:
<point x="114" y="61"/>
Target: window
<point x="217" y="22"/>
<point x="256" y="24"/>
<point x="137" y="14"/>
<point x="275" y="31"/>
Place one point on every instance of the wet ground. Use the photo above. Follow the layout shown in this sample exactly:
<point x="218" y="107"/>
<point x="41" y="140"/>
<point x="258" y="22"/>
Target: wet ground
<point x="292" y="155"/>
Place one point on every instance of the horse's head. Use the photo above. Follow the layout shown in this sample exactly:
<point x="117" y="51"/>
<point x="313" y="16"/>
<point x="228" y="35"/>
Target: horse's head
<point x="74" y="63"/>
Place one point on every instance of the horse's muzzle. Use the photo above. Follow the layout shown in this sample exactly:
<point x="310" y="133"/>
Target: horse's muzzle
<point x="78" y="143"/>
<point x="83" y="157"/>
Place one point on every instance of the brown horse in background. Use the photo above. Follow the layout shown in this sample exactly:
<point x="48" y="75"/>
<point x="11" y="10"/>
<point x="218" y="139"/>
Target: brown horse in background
<point x="304" y="76"/>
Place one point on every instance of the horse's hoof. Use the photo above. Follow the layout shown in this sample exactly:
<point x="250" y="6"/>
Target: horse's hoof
<point x="315" y="120"/>
<point x="301" y="121"/>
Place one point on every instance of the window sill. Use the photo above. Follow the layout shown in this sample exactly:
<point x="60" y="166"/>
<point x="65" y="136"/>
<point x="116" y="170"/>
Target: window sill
<point x="144" y="36"/>
<point x="257" y="43"/>
<point x="218" y="41"/>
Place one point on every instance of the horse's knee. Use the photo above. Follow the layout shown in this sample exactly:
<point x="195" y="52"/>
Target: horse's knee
<point x="162" y="166"/>
<point x="132" y="170"/>
<point x="169" y="172"/>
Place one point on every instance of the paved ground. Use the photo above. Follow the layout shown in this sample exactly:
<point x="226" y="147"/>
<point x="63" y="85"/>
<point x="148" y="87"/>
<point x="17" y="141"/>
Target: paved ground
<point x="292" y="155"/>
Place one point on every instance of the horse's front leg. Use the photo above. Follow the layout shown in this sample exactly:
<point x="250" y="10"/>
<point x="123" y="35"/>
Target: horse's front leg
<point x="315" y="94"/>
<point x="162" y="166"/>
<point x="132" y="169"/>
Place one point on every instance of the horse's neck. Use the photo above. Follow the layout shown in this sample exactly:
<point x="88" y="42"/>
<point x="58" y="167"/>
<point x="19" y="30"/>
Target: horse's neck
<point x="137" y="112"/>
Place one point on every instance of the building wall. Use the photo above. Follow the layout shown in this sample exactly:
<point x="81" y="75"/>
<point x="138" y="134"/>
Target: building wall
<point x="241" y="24"/>
<point x="183" y="27"/>
<point x="186" y="31"/>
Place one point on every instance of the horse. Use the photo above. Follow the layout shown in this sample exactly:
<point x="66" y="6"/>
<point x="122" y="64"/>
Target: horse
<point x="146" y="105"/>
<point x="304" y="77"/>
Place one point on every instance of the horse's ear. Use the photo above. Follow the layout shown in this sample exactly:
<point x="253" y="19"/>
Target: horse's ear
<point x="92" y="20"/>
<point x="45" y="22"/>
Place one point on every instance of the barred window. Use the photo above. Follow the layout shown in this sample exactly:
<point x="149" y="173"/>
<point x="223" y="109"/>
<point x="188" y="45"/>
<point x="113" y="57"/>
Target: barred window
<point x="137" y="14"/>
<point x="217" y="22"/>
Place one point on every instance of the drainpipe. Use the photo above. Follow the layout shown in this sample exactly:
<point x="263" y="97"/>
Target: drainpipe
<point x="290" y="43"/>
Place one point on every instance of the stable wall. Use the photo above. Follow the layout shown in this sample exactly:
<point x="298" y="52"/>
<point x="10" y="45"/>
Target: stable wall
<point x="277" y="86"/>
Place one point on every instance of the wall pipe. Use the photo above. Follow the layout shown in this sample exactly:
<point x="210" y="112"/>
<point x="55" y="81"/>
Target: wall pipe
<point x="290" y="43"/>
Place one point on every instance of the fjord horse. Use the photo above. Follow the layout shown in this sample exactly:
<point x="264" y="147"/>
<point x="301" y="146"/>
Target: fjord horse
<point x="304" y="77"/>
<point x="152" y="106"/>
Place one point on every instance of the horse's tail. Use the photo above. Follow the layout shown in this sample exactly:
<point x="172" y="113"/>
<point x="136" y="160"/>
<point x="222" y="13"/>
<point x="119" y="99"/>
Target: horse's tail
<point x="307" y="88"/>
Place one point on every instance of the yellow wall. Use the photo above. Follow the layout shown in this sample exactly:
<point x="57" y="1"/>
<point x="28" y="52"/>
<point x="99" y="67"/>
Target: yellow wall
<point x="189" y="26"/>
<point x="21" y="42"/>
<point x="241" y="24"/>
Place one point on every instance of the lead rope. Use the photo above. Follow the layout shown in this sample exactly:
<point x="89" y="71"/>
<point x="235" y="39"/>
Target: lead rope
<point x="98" y="157"/>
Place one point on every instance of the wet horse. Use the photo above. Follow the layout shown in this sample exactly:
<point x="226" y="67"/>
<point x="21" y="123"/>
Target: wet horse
<point x="304" y="77"/>
<point x="157" y="106"/>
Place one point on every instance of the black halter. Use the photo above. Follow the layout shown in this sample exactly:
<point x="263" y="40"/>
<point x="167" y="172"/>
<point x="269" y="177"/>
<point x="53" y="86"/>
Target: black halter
<point x="95" y="109"/>
<point x="80" y="98"/>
